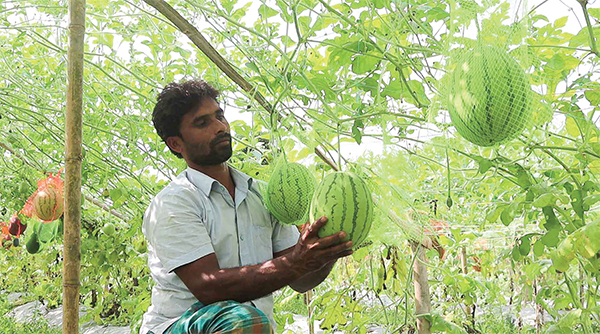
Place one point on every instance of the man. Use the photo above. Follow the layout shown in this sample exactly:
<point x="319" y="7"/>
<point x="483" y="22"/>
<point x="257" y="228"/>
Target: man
<point x="215" y="253"/>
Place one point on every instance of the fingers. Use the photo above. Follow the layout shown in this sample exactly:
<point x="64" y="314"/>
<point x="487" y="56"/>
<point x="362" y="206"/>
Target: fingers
<point x="313" y="229"/>
<point x="340" y="254"/>
<point x="330" y="240"/>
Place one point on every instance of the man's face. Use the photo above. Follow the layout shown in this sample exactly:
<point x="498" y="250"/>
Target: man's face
<point x="205" y="138"/>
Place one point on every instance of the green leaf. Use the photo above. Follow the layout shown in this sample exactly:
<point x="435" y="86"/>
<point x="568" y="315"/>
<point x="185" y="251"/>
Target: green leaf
<point x="577" y="202"/>
<point x="572" y="128"/>
<point x="538" y="248"/>
<point x="362" y="64"/>
<point x="516" y="255"/>
<point x="543" y="200"/>
<point x="583" y="37"/>
<point x="494" y="214"/>
<point x="115" y="194"/>
<point x="357" y="130"/>
<point x="287" y="41"/>
<point x="525" y="246"/>
<point x="551" y="239"/>
<point x="266" y="11"/>
<point x="253" y="67"/>
<point x="485" y="165"/>
<point x="593" y="96"/>
<point x="559" y="23"/>
<point x="508" y="214"/>
<point x="523" y="179"/>
<point x="591" y="200"/>
<point x="588" y="240"/>
<point x="552" y="222"/>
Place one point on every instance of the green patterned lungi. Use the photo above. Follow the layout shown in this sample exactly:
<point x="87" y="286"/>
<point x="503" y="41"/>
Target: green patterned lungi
<point x="221" y="317"/>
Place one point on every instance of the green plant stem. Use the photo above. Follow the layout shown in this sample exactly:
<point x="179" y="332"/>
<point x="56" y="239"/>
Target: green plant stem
<point x="576" y="301"/>
<point x="563" y="165"/>
<point x="573" y="149"/>
<point x="380" y="114"/>
<point x="558" y="47"/>
<point x="583" y="4"/>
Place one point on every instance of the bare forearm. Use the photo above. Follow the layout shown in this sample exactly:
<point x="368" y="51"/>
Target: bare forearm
<point x="313" y="279"/>
<point x="246" y="283"/>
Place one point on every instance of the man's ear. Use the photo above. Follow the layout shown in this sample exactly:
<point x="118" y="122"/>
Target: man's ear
<point x="175" y="143"/>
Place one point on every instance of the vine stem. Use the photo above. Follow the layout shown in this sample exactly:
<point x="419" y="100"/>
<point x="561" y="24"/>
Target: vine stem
<point x="577" y="302"/>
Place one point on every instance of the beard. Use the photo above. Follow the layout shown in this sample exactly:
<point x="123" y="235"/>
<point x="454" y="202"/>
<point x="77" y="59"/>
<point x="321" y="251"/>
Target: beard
<point x="218" y="152"/>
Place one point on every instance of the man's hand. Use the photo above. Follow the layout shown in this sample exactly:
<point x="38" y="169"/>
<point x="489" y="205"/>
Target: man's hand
<point x="312" y="253"/>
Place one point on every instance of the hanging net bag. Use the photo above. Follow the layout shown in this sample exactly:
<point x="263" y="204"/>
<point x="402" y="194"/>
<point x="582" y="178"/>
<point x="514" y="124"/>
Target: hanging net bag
<point x="46" y="203"/>
<point x="489" y="96"/>
<point x="289" y="191"/>
<point x="489" y="88"/>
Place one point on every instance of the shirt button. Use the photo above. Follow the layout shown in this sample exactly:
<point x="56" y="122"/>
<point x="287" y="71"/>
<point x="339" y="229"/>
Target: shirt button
<point x="242" y="237"/>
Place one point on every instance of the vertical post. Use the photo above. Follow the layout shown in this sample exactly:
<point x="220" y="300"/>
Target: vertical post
<point x="73" y="159"/>
<point x="307" y="300"/>
<point x="465" y="270"/>
<point x="421" y="283"/>
<point x="539" y="311"/>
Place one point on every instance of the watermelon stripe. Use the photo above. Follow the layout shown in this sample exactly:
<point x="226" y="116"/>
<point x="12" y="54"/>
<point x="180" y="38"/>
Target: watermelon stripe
<point x="282" y="199"/>
<point x="345" y="199"/>
<point x="493" y="93"/>
<point x="289" y="192"/>
<point x="368" y="215"/>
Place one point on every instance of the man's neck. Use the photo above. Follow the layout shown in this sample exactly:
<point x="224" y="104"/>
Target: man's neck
<point x="220" y="173"/>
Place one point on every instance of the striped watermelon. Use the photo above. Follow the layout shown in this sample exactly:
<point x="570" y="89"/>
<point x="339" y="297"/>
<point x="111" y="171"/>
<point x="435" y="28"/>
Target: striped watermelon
<point x="346" y="201"/>
<point x="48" y="204"/>
<point x="288" y="193"/>
<point x="489" y="96"/>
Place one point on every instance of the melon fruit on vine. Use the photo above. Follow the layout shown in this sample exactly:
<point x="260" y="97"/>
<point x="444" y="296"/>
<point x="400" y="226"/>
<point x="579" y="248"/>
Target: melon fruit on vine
<point x="48" y="204"/>
<point x="489" y="96"/>
<point x="344" y="198"/>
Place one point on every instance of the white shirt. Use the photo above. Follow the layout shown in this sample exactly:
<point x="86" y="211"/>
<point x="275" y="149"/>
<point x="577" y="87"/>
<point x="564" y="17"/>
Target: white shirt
<point x="195" y="216"/>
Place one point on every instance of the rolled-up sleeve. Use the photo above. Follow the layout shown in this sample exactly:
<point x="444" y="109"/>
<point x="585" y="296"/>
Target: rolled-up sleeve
<point x="177" y="230"/>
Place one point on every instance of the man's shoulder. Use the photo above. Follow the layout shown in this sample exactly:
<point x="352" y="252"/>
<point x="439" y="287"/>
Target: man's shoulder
<point x="179" y="186"/>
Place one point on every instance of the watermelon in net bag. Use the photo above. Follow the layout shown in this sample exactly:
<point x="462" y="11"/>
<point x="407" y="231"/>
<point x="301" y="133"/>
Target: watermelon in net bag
<point x="47" y="202"/>
<point x="492" y="87"/>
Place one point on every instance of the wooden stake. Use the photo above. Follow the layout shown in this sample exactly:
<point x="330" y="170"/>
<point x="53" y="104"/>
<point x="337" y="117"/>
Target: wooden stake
<point x="73" y="159"/>
<point x="539" y="310"/>
<point x="465" y="270"/>
<point x="307" y="300"/>
<point x="421" y="283"/>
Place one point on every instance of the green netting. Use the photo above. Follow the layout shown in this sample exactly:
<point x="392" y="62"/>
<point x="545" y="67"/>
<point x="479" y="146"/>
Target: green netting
<point x="491" y="89"/>
<point x="489" y="96"/>
<point x="289" y="192"/>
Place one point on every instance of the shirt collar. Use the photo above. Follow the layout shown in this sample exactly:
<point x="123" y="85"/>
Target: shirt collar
<point x="205" y="183"/>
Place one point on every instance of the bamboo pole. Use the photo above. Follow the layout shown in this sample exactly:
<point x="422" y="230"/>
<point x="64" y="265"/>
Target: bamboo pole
<point x="421" y="283"/>
<point x="198" y="39"/>
<point x="307" y="300"/>
<point x="465" y="270"/>
<point x="73" y="159"/>
<point x="539" y="310"/>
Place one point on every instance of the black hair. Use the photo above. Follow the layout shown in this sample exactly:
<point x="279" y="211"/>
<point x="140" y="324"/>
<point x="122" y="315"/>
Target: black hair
<point x="175" y="101"/>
